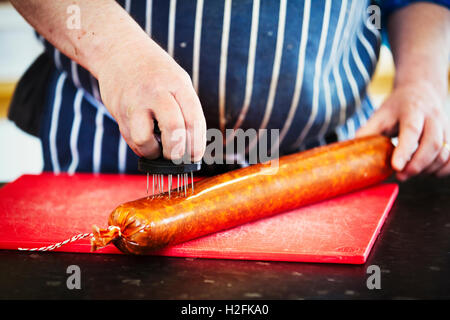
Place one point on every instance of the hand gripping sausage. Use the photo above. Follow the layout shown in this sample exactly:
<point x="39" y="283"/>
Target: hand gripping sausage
<point x="247" y="194"/>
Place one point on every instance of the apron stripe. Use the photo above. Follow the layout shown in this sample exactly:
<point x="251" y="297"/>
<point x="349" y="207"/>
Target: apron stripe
<point x="300" y="72"/>
<point x="57" y="58"/>
<point x="275" y="71"/>
<point x="362" y="69"/>
<point x="128" y="5"/>
<point x="148" y="17"/>
<point x="197" y="41"/>
<point x="223" y="64"/>
<point x="368" y="48"/>
<point x="317" y="75"/>
<point x="75" y="132"/>
<point x="349" y="109"/>
<point x="250" y="65"/>
<point x="75" y="77"/>
<point x="98" y="137"/>
<point x="254" y="65"/>
<point x="122" y="155"/>
<point x="54" y="123"/>
<point x="160" y="22"/>
<point x="327" y="71"/>
<point x="171" y="27"/>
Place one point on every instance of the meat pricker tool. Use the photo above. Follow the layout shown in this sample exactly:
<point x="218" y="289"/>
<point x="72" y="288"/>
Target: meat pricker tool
<point x="161" y="166"/>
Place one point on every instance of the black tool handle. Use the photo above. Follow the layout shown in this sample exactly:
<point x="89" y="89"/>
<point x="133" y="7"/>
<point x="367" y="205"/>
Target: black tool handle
<point x="162" y="165"/>
<point x="157" y="133"/>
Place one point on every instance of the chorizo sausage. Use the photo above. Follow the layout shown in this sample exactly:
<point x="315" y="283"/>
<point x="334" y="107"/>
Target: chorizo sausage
<point x="240" y="196"/>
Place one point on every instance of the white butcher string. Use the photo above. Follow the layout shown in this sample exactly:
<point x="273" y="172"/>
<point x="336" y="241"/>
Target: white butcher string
<point x="60" y="244"/>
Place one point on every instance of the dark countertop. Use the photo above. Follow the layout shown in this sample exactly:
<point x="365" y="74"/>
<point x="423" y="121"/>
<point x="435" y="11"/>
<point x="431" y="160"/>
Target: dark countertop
<point x="412" y="251"/>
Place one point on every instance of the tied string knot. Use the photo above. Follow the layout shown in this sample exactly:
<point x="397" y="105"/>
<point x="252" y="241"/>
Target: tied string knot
<point x="99" y="239"/>
<point x="102" y="237"/>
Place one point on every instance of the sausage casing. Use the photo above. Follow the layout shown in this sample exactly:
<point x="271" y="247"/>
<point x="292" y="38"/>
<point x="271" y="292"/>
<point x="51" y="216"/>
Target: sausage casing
<point x="247" y="194"/>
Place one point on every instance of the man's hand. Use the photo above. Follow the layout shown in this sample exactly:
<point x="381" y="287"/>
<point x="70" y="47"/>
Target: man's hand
<point x="419" y="35"/>
<point x="142" y="82"/>
<point x="415" y="112"/>
<point x="139" y="82"/>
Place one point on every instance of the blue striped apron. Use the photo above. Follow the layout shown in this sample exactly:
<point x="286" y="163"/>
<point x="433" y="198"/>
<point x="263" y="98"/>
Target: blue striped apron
<point x="298" y="66"/>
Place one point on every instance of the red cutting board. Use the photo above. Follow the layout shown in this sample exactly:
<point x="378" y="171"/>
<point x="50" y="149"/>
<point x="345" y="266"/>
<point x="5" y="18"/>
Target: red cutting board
<point x="39" y="210"/>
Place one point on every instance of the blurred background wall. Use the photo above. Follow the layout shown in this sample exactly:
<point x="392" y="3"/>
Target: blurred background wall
<point x="19" y="152"/>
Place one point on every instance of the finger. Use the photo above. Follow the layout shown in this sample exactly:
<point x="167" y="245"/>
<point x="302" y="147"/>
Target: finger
<point x="443" y="156"/>
<point x="444" y="170"/>
<point x="140" y="135"/>
<point x="381" y="122"/>
<point x="440" y="161"/>
<point x="194" y="121"/>
<point x="171" y="123"/>
<point x="410" y="130"/>
<point x="429" y="148"/>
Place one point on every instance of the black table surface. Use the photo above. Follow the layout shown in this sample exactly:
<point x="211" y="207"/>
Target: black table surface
<point x="412" y="252"/>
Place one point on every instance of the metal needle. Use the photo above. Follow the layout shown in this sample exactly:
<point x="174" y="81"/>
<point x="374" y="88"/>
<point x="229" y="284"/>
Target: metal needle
<point x="147" y="184"/>
<point x="158" y="183"/>
<point x="181" y="184"/>
<point x="170" y="183"/>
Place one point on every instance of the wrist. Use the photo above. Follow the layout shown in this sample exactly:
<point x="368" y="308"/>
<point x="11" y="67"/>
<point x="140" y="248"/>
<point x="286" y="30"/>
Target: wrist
<point x="107" y="31"/>
<point x="119" y="52"/>
<point x="116" y="49"/>
<point x="419" y="75"/>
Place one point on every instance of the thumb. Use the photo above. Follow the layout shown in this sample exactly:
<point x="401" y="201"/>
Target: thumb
<point x="382" y="121"/>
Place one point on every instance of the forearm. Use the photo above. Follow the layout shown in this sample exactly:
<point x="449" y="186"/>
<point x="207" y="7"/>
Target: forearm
<point x="419" y="35"/>
<point x="105" y="29"/>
